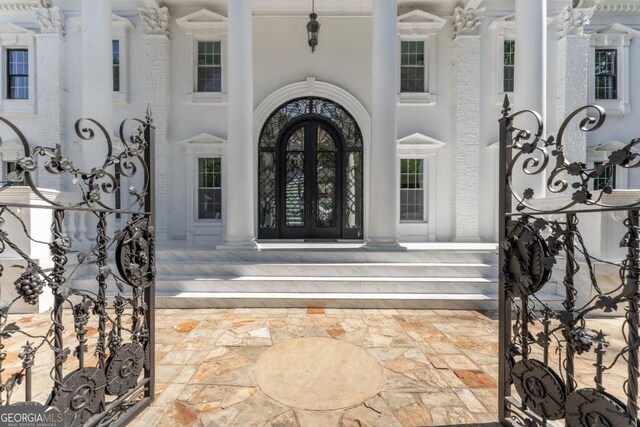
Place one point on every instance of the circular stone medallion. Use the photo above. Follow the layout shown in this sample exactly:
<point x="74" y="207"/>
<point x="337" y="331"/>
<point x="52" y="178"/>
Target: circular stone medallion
<point x="319" y="374"/>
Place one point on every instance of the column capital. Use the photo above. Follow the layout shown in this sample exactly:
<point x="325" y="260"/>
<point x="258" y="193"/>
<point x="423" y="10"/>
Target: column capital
<point x="155" y="20"/>
<point x="573" y="21"/>
<point x="51" y="20"/>
<point x="467" y="21"/>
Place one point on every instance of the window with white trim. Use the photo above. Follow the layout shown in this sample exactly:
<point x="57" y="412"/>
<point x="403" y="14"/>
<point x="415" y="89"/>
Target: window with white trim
<point x="115" y="52"/>
<point x="412" y="69"/>
<point x="412" y="190"/>
<point x="209" y="188"/>
<point x="209" y="73"/>
<point x="509" y="66"/>
<point x="606" y="74"/>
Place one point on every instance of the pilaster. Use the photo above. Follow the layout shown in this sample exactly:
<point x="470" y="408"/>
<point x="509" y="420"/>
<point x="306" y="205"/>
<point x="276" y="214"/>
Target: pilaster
<point x="466" y="124"/>
<point x="573" y="77"/>
<point x="156" y="86"/>
<point x="51" y="84"/>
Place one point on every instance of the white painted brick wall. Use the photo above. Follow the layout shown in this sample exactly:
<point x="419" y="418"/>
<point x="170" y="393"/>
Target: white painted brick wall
<point x="51" y="108"/>
<point x="466" y="137"/>
<point x="156" y="89"/>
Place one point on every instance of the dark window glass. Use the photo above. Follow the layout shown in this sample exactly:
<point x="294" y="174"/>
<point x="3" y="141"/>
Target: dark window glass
<point x="607" y="177"/>
<point x="209" y="188"/>
<point x="412" y="70"/>
<point x="17" y="74"/>
<point x="412" y="190"/>
<point x="115" y="44"/>
<point x="509" y="65"/>
<point x="209" y="67"/>
<point x="11" y="174"/>
<point x="606" y="74"/>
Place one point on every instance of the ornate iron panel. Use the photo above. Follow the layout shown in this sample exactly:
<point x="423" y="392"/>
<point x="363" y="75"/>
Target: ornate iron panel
<point x="541" y="342"/>
<point x="117" y="382"/>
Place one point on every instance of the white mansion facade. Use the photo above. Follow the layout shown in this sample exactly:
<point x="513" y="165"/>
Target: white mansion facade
<point x="387" y="132"/>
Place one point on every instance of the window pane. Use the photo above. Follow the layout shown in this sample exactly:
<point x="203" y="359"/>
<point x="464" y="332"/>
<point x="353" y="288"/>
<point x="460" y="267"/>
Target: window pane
<point x="18" y="74"/>
<point x="411" y="190"/>
<point x="209" y="79"/>
<point x="509" y="62"/>
<point x="606" y="80"/>
<point x="209" y="188"/>
<point x="606" y="178"/>
<point x="115" y="45"/>
<point x="412" y="72"/>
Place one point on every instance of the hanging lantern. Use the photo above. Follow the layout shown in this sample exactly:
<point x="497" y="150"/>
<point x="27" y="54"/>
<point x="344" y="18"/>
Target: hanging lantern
<point x="313" y="28"/>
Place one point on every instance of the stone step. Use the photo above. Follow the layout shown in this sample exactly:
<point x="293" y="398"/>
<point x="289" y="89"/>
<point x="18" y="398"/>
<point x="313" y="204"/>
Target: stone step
<point x="310" y="284"/>
<point x="467" y="301"/>
<point x="324" y="256"/>
<point x="238" y="269"/>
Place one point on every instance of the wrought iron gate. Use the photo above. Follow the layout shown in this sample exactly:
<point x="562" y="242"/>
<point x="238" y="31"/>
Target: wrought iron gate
<point x="541" y="343"/>
<point x="114" y="316"/>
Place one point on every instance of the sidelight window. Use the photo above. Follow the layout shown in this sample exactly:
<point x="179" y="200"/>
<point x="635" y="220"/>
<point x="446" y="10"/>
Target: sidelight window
<point x="509" y="63"/>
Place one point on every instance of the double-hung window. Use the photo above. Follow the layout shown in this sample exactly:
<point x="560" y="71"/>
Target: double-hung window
<point x="606" y="178"/>
<point x="11" y="174"/>
<point x="210" y="188"/>
<point x="412" y="71"/>
<point x="209" y="73"/>
<point x="606" y="74"/>
<point x="412" y="190"/>
<point x="115" y="48"/>
<point x="17" y="74"/>
<point x="509" y="63"/>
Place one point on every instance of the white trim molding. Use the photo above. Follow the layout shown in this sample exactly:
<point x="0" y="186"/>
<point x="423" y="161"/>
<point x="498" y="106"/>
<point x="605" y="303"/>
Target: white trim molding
<point x="199" y="146"/>
<point x="419" y="25"/>
<point x="504" y="29"/>
<point x="420" y="146"/>
<point x="613" y="36"/>
<point x="204" y="26"/>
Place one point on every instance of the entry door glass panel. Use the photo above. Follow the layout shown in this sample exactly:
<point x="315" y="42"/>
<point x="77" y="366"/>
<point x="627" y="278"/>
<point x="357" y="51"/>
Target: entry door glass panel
<point x="326" y="191"/>
<point x="295" y="180"/>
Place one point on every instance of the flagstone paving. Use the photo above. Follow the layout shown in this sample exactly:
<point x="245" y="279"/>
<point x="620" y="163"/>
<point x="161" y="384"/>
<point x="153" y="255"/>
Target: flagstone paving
<point x="436" y="367"/>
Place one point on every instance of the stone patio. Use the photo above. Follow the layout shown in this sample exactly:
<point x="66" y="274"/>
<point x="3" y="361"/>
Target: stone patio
<point x="219" y="367"/>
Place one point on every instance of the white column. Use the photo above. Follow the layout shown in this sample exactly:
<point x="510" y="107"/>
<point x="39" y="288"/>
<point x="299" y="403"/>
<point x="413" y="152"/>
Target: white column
<point x="240" y="224"/>
<point x="156" y="83"/>
<point x="97" y="90"/>
<point x="466" y="124"/>
<point x="573" y="77"/>
<point x="97" y="74"/>
<point x="384" y="178"/>
<point x="531" y="74"/>
<point x="51" y="84"/>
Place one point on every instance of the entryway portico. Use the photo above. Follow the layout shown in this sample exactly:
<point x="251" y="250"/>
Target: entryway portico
<point x="378" y="226"/>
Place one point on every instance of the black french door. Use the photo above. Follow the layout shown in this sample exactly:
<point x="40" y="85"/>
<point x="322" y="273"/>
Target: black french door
<point x="310" y="182"/>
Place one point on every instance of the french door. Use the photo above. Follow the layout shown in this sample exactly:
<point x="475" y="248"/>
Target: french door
<point x="310" y="182"/>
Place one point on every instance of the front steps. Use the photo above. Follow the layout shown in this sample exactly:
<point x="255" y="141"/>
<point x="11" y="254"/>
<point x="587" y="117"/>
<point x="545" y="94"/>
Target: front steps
<point x="330" y="275"/>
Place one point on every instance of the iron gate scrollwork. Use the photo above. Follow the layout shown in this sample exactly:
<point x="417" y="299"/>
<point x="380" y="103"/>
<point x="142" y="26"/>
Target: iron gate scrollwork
<point x="101" y="336"/>
<point x="543" y="343"/>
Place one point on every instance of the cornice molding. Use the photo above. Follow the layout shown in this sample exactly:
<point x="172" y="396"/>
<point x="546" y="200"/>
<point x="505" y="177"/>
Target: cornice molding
<point x="23" y="6"/>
